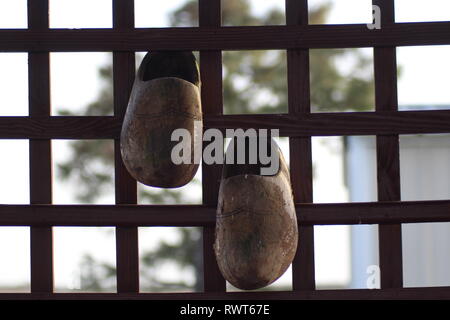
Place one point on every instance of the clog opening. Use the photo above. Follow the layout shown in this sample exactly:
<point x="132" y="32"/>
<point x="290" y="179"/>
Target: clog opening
<point x="162" y="64"/>
<point x="249" y="168"/>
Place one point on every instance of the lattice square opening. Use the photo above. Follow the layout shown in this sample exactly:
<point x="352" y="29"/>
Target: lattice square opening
<point x="81" y="83"/>
<point x="340" y="12"/>
<point x="423" y="78"/>
<point x="170" y="259"/>
<point x="13" y="14"/>
<point x="13" y="84"/>
<point x="86" y="168"/>
<point x="419" y="11"/>
<point x="80" y="14"/>
<point x="81" y="267"/>
<point x="165" y="14"/>
<point x="15" y="257"/>
<point x="254" y="82"/>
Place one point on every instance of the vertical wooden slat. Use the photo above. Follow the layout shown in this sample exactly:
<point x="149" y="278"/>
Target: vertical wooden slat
<point x="211" y="77"/>
<point x="41" y="238"/>
<point x="127" y="251"/>
<point x="388" y="159"/>
<point x="303" y="275"/>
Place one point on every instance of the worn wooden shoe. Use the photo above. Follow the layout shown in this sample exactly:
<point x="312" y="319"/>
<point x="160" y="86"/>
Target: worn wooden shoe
<point x="165" y="97"/>
<point x="256" y="225"/>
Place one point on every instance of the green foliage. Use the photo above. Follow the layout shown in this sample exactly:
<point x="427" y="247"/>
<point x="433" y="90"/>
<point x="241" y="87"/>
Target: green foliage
<point x="186" y="253"/>
<point x="96" y="276"/>
<point x="332" y="91"/>
<point x="253" y="82"/>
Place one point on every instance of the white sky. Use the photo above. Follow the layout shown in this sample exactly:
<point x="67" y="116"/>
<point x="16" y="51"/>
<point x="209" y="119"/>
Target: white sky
<point x="75" y="83"/>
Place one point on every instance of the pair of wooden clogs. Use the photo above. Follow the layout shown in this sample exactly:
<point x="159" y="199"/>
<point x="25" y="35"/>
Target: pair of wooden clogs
<point x="256" y="225"/>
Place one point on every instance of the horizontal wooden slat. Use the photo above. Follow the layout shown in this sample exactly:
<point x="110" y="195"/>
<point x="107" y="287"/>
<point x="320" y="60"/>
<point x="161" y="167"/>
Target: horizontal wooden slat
<point x="429" y="293"/>
<point x="107" y="215"/>
<point x="340" y="124"/>
<point x="226" y="38"/>
<point x="316" y="124"/>
<point x="107" y="127"/>
<point x="204" y="215"/>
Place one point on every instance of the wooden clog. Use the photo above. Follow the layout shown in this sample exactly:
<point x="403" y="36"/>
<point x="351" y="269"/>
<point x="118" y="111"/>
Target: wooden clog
<point x="165" y="97"/>
<point x="256" y="226"/>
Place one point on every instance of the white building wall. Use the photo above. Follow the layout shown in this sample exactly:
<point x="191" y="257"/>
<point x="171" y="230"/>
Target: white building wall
<point x="360" y="168"/>
<point x="425" y="175"/>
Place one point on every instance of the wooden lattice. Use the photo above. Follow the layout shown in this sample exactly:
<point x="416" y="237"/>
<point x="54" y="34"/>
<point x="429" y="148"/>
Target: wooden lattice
<point x="297" y="37"/>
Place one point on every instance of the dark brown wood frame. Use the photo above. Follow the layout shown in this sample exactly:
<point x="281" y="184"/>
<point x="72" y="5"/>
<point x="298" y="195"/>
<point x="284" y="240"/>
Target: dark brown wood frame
<point x="297" y="37"/>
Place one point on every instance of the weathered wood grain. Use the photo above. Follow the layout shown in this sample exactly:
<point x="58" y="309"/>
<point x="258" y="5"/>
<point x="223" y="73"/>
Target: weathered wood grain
<point x="210" y="15"/>
<point x="41" y="238"/>
<point x="389" y="212"/>
<point x="256" y="226"/>
<point x="388" y="154"/>
<point x="430" y="293"/>
<point x="209" y="38"/>
<point x="299" y="105"/>
<point x="127" y="251"/>
<point x="316" y="124"/>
